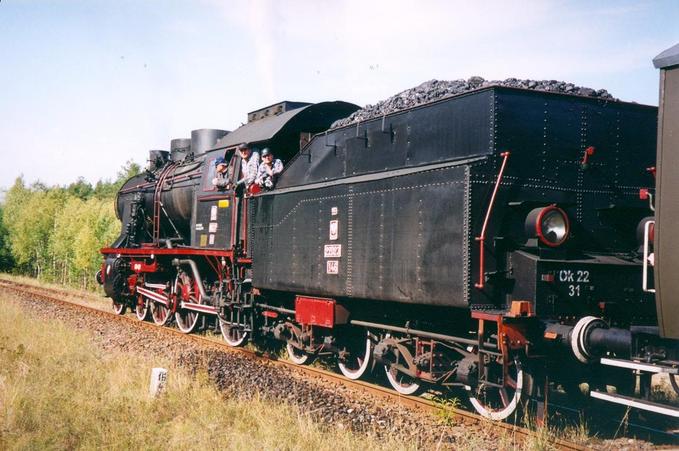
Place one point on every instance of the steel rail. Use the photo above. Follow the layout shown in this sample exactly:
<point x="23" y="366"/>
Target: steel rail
<point x="520" y="434"/>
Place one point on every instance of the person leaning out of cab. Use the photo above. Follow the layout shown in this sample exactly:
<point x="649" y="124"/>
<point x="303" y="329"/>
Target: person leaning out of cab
<point x="249" y="164"/>
<point x="268" y="170"/>
<point x="221" y="180"/>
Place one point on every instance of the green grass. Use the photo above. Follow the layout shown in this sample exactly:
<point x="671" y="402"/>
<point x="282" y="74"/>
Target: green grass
<point x="447" y="407"/>
<point x="59" y="391"/>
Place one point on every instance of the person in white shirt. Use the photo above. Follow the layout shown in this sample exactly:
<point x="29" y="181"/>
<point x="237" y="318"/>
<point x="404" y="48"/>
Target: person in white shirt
<point x="248" y="165"/>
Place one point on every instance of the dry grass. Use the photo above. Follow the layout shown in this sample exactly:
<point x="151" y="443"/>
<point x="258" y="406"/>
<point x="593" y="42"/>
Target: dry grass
<point x="58" y="391"/>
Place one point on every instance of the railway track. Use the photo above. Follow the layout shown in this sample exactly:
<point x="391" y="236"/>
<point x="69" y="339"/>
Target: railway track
<point x="519" y="435"/>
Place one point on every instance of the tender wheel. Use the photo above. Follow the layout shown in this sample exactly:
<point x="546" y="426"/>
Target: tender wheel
<point x="357" y="362"/>
<point x="233" y="335"/>
<point x="498" y="403"/>
<point x="402" y="383"/>
<point x="142" y="308"/>
<point x="297" y="356"/>
<point x="119" y="308"/>
<point x="186" y="292"/>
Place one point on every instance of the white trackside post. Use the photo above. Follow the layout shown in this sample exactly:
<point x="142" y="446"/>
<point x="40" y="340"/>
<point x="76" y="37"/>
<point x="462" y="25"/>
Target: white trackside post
<point x="158" y="381"/>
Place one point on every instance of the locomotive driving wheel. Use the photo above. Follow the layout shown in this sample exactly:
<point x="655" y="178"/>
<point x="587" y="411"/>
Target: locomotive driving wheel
<point x="233" y="322"/>
<point x="233" y="335"/>
<point x="141" y="309"/>
<point x="185" y="290"/>
<point x="161" y="313"/>
<point x="119" y="308"/>
<point x="502" y="389"/>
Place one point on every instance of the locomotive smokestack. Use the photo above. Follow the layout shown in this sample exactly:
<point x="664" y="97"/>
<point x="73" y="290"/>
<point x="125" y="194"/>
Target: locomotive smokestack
<point x="157" y="159"/>
<point x="204" y="139"/>
<point x="179" y="149"/>
<point x="666" y="243"/>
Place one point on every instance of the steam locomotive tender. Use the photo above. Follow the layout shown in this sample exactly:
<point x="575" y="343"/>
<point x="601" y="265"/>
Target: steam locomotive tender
<point x="490" y="241"/>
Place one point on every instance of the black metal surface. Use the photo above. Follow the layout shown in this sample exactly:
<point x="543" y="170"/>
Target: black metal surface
<point x="566" y="288"/>
<point x="275" y="109"/>
<point x="401" y="239"/>
<point x="208" y="212"/>
<point x="179" y="149"/>
<point x="411" y="238"/>
<point x="158" y="159"/>
<point x="547" y="135"/>
<point x="443" y="131"/>
<point x="188" y="198"/>
<point x="282" y="133"/>
<point x="204" y="139"/>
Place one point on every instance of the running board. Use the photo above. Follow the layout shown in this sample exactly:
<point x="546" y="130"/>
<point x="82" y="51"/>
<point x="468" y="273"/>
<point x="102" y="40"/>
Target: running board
<point x="636" y="403"/>
<point x="647" y="367"/>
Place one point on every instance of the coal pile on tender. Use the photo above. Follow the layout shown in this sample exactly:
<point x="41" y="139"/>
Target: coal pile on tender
<point x="438" y="89"/>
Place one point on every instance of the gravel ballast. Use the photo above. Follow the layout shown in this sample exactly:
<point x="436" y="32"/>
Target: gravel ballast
<point x="240" y="375"/>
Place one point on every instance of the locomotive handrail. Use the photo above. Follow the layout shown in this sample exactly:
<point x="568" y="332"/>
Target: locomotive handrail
<point x="644" y="278"/>
<point x="157" y="193"/>
<point x="482" y="238"/>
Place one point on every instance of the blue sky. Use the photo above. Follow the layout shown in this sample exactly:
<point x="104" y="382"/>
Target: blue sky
<point x="86" y="85"/>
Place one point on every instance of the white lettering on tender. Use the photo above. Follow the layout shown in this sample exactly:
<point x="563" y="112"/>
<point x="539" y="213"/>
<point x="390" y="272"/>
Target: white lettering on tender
<point x="332" y="251"/>
<point x="332" y="267"/>
<point x="334" y="229"/>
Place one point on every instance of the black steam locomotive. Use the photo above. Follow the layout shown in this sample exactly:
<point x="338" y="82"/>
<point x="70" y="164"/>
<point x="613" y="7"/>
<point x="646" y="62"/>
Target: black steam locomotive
<point x="490" y="241"/>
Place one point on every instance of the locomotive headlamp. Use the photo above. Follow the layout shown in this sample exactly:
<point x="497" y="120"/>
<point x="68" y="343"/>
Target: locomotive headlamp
<point x="549" y="225"/>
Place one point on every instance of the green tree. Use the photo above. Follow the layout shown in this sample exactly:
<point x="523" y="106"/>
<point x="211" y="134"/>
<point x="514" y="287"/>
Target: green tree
<point x="129" y="169"/>
<point x="6" y="260"/>
<point x="67" y="225"/>
<point x="15" y="202"/>
<point x="81" y="189"/>
<point x="100" y="228"/>
<point x="56" y="232"/>
<point x="108" y="189"/>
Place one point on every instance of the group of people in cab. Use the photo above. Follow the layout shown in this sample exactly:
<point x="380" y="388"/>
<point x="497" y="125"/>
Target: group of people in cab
<point x="256" y="172"/>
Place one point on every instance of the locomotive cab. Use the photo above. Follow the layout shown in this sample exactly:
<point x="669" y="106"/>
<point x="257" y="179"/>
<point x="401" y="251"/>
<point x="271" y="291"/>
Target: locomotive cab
<point x="214" y="209"/>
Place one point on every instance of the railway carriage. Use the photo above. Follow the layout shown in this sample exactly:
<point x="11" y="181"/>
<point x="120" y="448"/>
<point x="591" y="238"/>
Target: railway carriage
<point x="492" y="241"/>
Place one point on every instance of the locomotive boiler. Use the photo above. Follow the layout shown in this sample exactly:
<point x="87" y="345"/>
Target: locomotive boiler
<point x="493" y="241"/>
